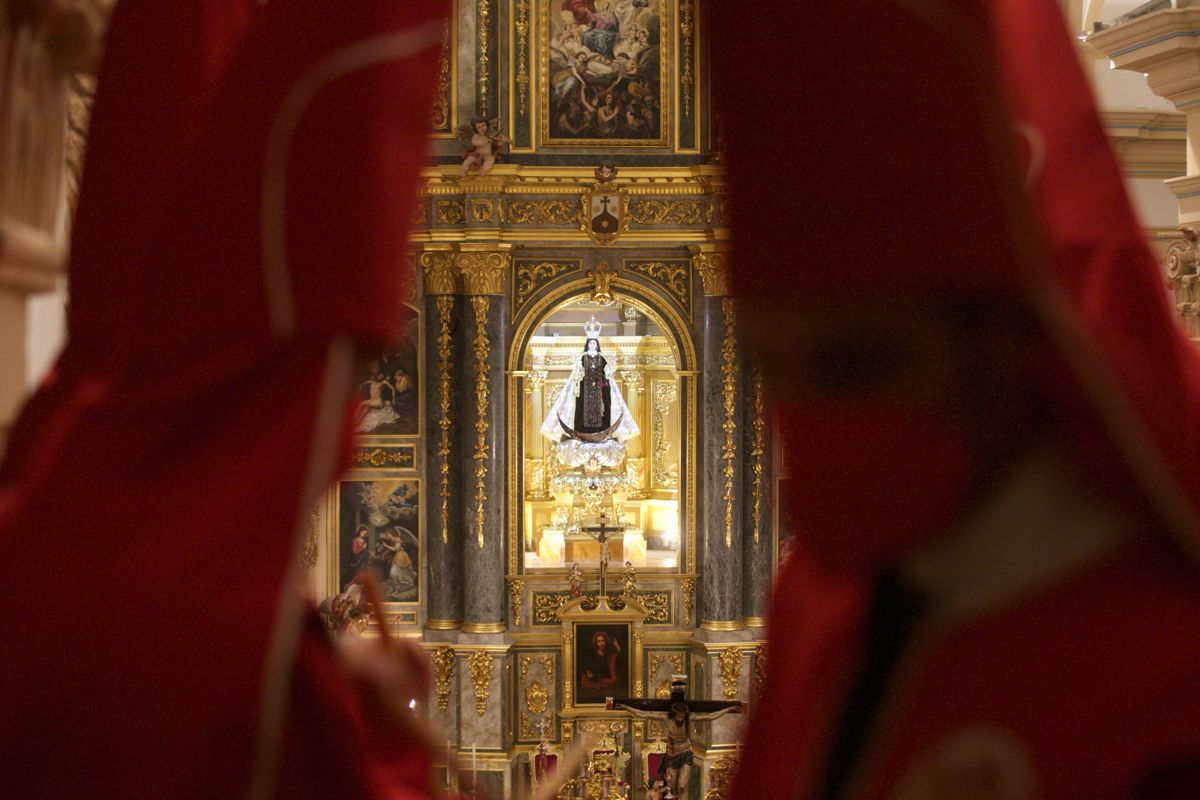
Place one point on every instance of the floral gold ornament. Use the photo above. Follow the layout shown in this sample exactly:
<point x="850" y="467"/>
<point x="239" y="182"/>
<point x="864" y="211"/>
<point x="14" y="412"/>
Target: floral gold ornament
<point x="674" y="276"/>
<point x="720" y="779"/>
<point x="480" y="666"/>
<point x="522" y="29"/>
<point x="443" y="670"/>
<point x="441" y="92"/>
<point x="482" y="454"/>
<point x="665" y="473"/>
<point x="533" y="275"/>
<point x="728" y="396"/>
<point x="689" y="598"/>
<point x="731" y="669"/>
<point x="758" y="450"/>
<point x="394" y="457"/>
<point x="483" y="22"/>
<point x="536" y="697"/>
<point x="482" y="209"/>
<point x="673" y="212"/>
<point x="602" y="278"/>
<point x="686" y="32"/>
<point x="450" y="212"/>
<point x="445" y="305"/>
<point x="516" y="590"/>
<point x="542" y="212"/>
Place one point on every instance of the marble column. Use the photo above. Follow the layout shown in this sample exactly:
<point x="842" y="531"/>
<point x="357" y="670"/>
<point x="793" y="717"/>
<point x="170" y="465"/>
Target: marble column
<point x="443" y="440"/>
<point x="758" y="499"/>
<point x="483" y="337"/>
<point x="721" y="449"/>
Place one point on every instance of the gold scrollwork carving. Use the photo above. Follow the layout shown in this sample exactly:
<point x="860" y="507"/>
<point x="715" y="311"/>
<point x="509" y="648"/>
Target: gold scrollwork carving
<point x="483" y="273"/>
<point x="659" y="212"/>
<point x="443" y="671"/>
<point x="760" y="667"/>
<point x="601" y="277"/>
<point x="686" y="31"/>
<point x="568" y="690"/>
<point x="545" y="607"/>
<point x="308" y="557"/>
<point x="445" y="304"/>
<point x="670" y="275"/>
<point x="483" y="13"/>
<point x="482" y="209"/>
<point x="382" y="457"/>
<point x="441" y="91"/>
<point x="689" y="598"/>
<point x="440" y="275"/>
<point x="728" y="396"/>
<point x="714" y="273"/>
<point x="673" y="659"/>
<point x="664" y="474"/>
<point x="450" y="212"/>
<point x="759" y="447"/>
<point x="533" y="275"/>
<point x="720" y="779"/>
<point x="602" y="727"/>
<point x="482" y="347"/>
<point x="536" y="697"/>
<point x="522" y="28"/>
<point x="480" y="664"/>
<point x="543" y="212"/>
<point x="516" y="590"/>
<point x="731" y="669"/>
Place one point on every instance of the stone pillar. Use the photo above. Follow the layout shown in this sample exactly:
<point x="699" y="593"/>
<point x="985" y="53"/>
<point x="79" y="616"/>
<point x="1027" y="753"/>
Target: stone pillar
<point x="758" y="500"/>
<point x="482" y="340"/>
<point x="721" y="450"/>
<point x="1163" y="46"/>
<point x="443" y="440"/>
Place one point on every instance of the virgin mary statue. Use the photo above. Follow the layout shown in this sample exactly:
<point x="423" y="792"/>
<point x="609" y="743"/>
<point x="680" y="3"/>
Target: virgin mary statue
<point x="590" y="406"/>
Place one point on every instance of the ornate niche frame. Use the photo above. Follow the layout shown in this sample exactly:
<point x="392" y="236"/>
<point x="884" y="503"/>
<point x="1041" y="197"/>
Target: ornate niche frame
<point x="590" y="614"/>
<point x="662" y="309"/>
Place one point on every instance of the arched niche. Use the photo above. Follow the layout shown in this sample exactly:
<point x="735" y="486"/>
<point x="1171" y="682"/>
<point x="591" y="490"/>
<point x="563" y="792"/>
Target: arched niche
<point x="659" y="347"/>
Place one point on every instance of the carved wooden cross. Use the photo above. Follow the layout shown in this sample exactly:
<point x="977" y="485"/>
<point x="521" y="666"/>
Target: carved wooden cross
<point x="601" y="532"/>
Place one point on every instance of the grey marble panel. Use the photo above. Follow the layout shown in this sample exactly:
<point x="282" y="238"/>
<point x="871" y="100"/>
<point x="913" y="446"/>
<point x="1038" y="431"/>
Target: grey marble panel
<point x="485" y="593"/>
<point x="721" y="570"/>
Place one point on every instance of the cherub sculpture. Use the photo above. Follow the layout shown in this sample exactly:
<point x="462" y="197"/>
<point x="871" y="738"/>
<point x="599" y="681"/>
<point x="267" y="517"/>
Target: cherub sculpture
<point x="484" y="143"/>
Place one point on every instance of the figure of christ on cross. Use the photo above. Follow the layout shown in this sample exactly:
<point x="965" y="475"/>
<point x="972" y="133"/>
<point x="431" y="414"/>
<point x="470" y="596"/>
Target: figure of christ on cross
<point x="676" y="714"/>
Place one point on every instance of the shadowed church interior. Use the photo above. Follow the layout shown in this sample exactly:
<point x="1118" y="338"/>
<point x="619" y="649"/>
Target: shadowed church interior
<point x="564" y="475"/>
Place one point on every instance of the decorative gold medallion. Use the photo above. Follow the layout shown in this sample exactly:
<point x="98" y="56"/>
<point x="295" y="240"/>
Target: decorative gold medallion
<point x="977" y="763"/>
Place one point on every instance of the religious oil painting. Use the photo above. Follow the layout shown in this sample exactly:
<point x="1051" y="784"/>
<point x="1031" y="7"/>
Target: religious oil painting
<point x="389" y="386"/>
<point x="379" y="532"/>
<point x="605" y="72"/>
<point x="601" y="662"/>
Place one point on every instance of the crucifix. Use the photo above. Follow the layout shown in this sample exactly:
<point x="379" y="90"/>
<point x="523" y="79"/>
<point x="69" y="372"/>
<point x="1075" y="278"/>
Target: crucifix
<point x="676" y="714"/>
<point x="600" y="533"/>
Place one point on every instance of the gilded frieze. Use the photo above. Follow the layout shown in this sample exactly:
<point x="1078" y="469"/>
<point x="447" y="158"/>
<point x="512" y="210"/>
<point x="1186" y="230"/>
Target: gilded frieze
<point x="542" y="212"/>
<point x="669" y="212"/>
<point x="483" y="209"/>
<point x="656" y="603"/>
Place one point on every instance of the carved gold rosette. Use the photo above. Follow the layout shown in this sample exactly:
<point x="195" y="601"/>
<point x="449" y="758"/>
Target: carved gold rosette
<point x="480" y="665"/>
<point x="443" y="671"/>
<point x="731" y="669"/>
<point x="728" y="396"/>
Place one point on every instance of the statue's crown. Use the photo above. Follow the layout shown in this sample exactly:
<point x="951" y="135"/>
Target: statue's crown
<point x="592" y="328"/>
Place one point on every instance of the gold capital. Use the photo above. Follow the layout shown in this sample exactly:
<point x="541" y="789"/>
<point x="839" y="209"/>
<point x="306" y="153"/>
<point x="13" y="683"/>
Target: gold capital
<point x="484" y="273"/>
<point x="714" y="273"/>
<point x="440" y="275"/>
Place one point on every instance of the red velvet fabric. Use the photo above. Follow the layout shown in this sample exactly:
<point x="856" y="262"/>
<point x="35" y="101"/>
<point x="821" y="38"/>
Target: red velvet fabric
<point x="153" y="489"/>
<point x="937" y="149"/>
